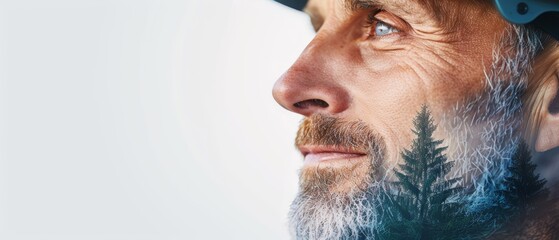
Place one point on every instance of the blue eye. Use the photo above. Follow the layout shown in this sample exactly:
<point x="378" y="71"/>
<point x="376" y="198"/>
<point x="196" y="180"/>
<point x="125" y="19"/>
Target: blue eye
<point x="382" y="29"/>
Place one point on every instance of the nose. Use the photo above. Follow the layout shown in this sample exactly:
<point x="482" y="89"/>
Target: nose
<point x="313" y="84"/>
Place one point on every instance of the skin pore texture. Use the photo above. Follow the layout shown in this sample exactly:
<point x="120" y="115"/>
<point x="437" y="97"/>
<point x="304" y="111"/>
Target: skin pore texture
<point x="372" y="65"/>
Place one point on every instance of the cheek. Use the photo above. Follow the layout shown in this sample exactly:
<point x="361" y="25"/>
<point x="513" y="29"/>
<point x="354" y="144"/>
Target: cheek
<point x="389" y="89"/>
<point x="440" y="78"/>
<point x="389" y="100"/>
<point x="396" y="85"/>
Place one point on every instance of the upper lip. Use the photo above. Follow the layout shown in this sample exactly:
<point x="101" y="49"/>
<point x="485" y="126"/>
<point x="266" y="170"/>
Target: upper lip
<point x="329" y="149"/>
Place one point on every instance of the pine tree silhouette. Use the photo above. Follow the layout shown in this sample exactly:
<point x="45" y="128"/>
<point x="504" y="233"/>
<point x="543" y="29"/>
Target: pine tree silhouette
<point x="418" y="207"/>
<point x="523" y="191"/>
<point x="523" y="188"/>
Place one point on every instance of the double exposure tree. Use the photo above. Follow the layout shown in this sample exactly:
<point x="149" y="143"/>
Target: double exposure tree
<point x="425" y="203"/>
<point x="523" y="188"/>
<point x="422" y="204"/>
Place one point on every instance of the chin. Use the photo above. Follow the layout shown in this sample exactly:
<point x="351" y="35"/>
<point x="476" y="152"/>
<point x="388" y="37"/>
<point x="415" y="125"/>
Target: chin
<point x="338" y="176"/>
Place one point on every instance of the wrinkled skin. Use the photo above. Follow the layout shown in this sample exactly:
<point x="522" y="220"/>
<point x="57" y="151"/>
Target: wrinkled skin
<point x="384" y="80"/>
<point x="374" y="66"/>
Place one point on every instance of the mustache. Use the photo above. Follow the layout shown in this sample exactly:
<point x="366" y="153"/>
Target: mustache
<point x="326" y="130"/>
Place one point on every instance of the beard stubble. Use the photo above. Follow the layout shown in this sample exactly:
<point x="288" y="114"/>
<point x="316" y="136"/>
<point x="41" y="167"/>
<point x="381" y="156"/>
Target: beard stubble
<point x="340" y="203"/>
<point x="326" y="179"/>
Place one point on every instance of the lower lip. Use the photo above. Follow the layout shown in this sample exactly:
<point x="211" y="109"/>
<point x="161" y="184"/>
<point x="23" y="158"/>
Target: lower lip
<point x="331" y="157"/>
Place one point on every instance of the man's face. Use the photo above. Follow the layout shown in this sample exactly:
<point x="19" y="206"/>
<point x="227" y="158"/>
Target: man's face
<point x="378" y="61"/>
<point x="363" y="78"/>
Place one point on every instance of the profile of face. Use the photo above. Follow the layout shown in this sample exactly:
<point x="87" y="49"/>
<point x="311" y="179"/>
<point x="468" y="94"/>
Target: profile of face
<point x="371" y="67"/>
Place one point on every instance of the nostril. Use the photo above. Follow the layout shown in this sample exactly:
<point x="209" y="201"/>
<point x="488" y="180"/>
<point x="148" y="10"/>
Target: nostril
<point x="311" y="103"/>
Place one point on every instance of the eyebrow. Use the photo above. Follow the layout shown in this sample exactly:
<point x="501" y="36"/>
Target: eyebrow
<point x="409" y="10"/>
<point x="406" y="5"/>
<point x="355" y="5"/>
<point x="399" y="7"/>
<point x="444" y="14"/>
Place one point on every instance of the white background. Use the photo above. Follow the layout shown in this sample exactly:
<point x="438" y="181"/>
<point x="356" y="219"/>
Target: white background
<point x="146" y="119"/>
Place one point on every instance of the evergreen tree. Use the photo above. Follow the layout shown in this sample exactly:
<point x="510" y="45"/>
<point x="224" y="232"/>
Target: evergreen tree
<point x="523" y="188"/>
<point x="522" y="191"/>
<point x="418" y="206"/>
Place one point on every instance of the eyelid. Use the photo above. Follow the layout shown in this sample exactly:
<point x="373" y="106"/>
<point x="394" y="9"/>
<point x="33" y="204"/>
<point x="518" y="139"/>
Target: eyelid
<point x="371" y="17"/>
<point x="386" y="18"/>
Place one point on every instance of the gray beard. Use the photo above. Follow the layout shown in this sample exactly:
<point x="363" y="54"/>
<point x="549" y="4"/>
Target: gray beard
<point x="482" y="134"/>
<point x="341" y="217"/>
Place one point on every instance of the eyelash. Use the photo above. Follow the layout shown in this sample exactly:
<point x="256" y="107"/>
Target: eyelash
<point x="371" y="17"/>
